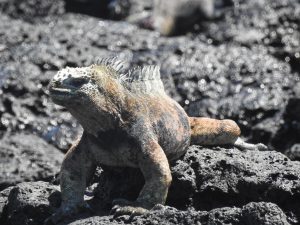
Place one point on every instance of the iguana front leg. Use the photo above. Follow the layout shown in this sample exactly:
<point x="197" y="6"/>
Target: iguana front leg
<point x="155" y="168"/>
<point x="76" y="170"/>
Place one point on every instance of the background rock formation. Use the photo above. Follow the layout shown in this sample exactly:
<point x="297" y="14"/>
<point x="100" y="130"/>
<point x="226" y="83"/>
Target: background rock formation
<point x="243" y="65"/>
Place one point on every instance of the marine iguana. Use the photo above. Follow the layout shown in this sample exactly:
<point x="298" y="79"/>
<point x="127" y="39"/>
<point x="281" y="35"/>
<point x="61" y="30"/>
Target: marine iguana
<point x="171" y="17"/>
<point x="128" y="121"/>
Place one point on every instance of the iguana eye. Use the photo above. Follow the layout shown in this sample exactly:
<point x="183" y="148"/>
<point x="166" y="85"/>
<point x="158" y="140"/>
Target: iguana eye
<point x="78" y="82"/>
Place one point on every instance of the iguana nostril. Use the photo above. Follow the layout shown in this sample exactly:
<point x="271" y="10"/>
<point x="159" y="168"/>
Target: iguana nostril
<point x="55" y="83"/>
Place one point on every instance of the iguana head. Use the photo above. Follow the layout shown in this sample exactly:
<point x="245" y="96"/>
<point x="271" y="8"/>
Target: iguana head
<point x="71" y="86"/>
<point x="76" y="86"/>
<point x="92" y="94"/>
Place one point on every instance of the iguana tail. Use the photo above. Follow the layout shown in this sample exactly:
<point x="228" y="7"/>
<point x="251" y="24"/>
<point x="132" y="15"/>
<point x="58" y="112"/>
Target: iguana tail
<point x="206" y="131"/>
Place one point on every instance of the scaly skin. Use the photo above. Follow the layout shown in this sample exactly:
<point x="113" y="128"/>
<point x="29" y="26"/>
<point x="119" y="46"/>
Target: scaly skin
<point x="128" y="121"/>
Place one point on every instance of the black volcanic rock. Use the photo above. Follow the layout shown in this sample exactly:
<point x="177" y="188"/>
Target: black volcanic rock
<point x="3" y="202"/>
<point x="31" y="10"/>
<point x="26" y="157"/>
<point x="221" y="177"/>
<point x="209" y="186"/>
<point x="228" y="80"/>
<point x="274" y="24"/>
<point x="260" y="213"/>
<point x="31" y="203"/>
<point x="243" y="65"/>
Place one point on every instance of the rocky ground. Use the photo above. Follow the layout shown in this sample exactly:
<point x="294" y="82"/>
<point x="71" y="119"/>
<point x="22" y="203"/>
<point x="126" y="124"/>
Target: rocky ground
<point x="245" y="65"/>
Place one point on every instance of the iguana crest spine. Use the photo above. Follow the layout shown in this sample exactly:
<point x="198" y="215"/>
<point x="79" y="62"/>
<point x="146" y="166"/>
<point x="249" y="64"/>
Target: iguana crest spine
<point x="143" y="80"/>
<point x="117" y="65"/>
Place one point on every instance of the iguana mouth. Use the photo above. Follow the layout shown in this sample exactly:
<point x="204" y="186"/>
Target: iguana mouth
<point x="60" y="91"/>
<point x="61" y="95"/>
<point x="67" y="86"/>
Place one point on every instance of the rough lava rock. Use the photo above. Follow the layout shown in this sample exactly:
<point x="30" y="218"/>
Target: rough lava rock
<point x="244" y="65"/>
<point x="260" y="213"/>
<point x="271" y="23"/>
<point x="210" y="186"/>
<point x="30" y="203"/>
<point x="27" y="157"/>
<point x="3" y="202"/>
<point x="31" y="10"/>
<point x="247" y="84"/>
<point x="218" y="177"/>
